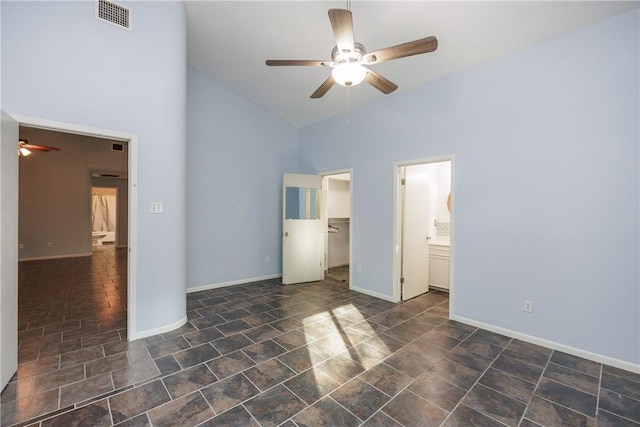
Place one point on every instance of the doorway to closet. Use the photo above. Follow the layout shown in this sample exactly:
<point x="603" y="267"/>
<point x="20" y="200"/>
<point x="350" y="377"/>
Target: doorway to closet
<point x="424" y="227"/>
<point x="337" y="194"/>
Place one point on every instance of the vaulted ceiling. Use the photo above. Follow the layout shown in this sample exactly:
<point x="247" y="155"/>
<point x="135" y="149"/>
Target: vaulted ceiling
<point x="230" y="41"/>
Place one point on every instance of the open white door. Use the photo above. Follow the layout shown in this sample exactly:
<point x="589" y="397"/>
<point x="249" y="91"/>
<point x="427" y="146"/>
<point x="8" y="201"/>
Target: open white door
<point x="415" y="232"/>
<point x="303" y="229"/>
<point x="8" y="248"/>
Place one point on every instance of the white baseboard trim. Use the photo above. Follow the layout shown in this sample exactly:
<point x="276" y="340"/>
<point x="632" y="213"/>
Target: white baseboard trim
<point x="234" y="282"/>
<point x="372" y="293"/>
<point x="161" y="329"/>
<point x="39" y="258"/>
<point x="341" y="264"/>
<point x="627" y="366"/>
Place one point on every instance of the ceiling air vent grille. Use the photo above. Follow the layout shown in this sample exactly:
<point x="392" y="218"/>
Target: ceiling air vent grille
<point x="114" y="14"/>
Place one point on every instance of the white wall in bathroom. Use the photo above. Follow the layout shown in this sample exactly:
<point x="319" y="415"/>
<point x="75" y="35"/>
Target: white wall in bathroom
<point x="122" y="186"/>
<point x="443" y="188"/>
<point x="439" y="177"/>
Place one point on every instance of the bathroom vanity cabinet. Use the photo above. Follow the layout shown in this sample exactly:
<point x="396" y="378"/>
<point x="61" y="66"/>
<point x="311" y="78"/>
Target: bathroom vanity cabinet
<point x="439" y="265"/>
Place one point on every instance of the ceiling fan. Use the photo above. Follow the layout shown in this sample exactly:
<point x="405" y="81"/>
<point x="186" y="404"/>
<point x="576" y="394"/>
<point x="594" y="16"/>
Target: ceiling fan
<point x="349" y="57"/>
<point x="24" y="148"/>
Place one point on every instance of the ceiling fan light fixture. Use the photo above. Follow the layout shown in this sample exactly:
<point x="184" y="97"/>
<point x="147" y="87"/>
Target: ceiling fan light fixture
<point x="349" y="74"/>
<point x="24" y="151"/>
<point x="349" y="56"/>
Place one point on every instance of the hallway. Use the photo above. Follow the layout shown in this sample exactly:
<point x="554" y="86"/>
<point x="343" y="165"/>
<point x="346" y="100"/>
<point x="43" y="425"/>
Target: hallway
<point x="301" y="355"/>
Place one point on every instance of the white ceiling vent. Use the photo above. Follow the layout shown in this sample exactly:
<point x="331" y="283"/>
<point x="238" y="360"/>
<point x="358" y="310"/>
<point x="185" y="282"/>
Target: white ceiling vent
<point x="113" y="14"/>
<point x="103" y="174"/>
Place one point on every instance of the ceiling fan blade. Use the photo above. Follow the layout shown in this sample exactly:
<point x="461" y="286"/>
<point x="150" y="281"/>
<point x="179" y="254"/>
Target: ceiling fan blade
<point x="324" y="88"/>
<point x="381" y="83"/>
<point x="342" y="24"/>
<point x="40" y="147"/>
<point x="416" y="47"/>
<point x="297" y="62"/>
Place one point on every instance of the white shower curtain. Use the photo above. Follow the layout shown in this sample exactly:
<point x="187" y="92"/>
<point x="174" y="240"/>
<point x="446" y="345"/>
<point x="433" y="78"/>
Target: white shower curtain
<point x="103" y="212"/>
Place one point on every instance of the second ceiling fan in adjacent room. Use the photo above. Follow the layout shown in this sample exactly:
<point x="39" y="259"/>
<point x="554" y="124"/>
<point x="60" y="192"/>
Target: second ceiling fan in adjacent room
<point x="25" y="148"/>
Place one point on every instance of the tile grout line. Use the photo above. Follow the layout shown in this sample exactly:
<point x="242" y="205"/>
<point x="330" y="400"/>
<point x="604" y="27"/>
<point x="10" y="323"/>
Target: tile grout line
<point x="477" y="381"/>
<point x="558" y="382"/>
<point x="413" y="380"/>
<point x="599" y="391"/>
<point x="533" y="394"/>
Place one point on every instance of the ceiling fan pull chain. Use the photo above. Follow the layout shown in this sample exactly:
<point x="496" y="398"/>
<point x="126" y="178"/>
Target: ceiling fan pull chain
<point x="348" y="106"/>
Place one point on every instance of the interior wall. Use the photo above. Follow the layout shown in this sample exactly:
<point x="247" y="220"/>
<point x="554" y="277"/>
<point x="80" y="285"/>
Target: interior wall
<point x="237" y="154"/>
<point x="546" y="185"/>
<point x="339" y="198"/>
<point x="440" y="183"/>
<point x="60" y="63"/>
<point x="437" y="178"/>
<point x="338" y="242"/>
<point x="55" y="192"/>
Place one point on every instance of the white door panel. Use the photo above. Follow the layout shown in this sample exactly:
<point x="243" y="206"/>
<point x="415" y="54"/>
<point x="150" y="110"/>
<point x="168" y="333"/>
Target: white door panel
<point x="415" y="247"/>
<point x="303" y="229"/>
<point x="303" y="251"/>
<point x="8" y="249"/>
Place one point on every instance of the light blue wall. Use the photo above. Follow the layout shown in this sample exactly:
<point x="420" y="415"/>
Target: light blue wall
<point x="546" y="185"/>
<point x="59" y="63"/>
<point x="236" y="155"/>
<point x="546" y="143"/>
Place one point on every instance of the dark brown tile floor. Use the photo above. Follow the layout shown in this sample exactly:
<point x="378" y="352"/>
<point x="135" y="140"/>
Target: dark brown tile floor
<point x="258" y="354"/>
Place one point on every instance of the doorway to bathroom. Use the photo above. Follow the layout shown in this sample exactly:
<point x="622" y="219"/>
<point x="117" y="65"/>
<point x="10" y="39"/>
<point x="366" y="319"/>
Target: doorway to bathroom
<point x="109" y="209"/>
<point x="104" y="216"/>
<point x="423" y="227"/>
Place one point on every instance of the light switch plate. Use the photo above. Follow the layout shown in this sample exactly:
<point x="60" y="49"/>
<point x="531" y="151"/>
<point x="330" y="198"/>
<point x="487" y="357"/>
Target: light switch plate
<point x="156" y="207"/>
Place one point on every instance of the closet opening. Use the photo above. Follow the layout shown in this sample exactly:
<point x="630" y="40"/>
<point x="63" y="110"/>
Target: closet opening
<point x="337" y="195"/>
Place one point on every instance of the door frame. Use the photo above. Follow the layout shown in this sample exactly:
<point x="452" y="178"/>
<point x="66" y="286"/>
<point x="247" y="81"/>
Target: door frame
<point x="8" y="249"/>
<point x="132" y="205"/>
<point x="336" y="172"/>
<point x="397" y="223"/>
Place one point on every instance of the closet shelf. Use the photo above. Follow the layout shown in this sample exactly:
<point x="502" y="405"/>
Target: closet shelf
<point x="339" y="220"/>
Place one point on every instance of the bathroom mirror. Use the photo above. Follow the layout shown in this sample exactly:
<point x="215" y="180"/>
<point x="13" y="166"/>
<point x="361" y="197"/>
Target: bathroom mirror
<point x="302" y="203"/>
